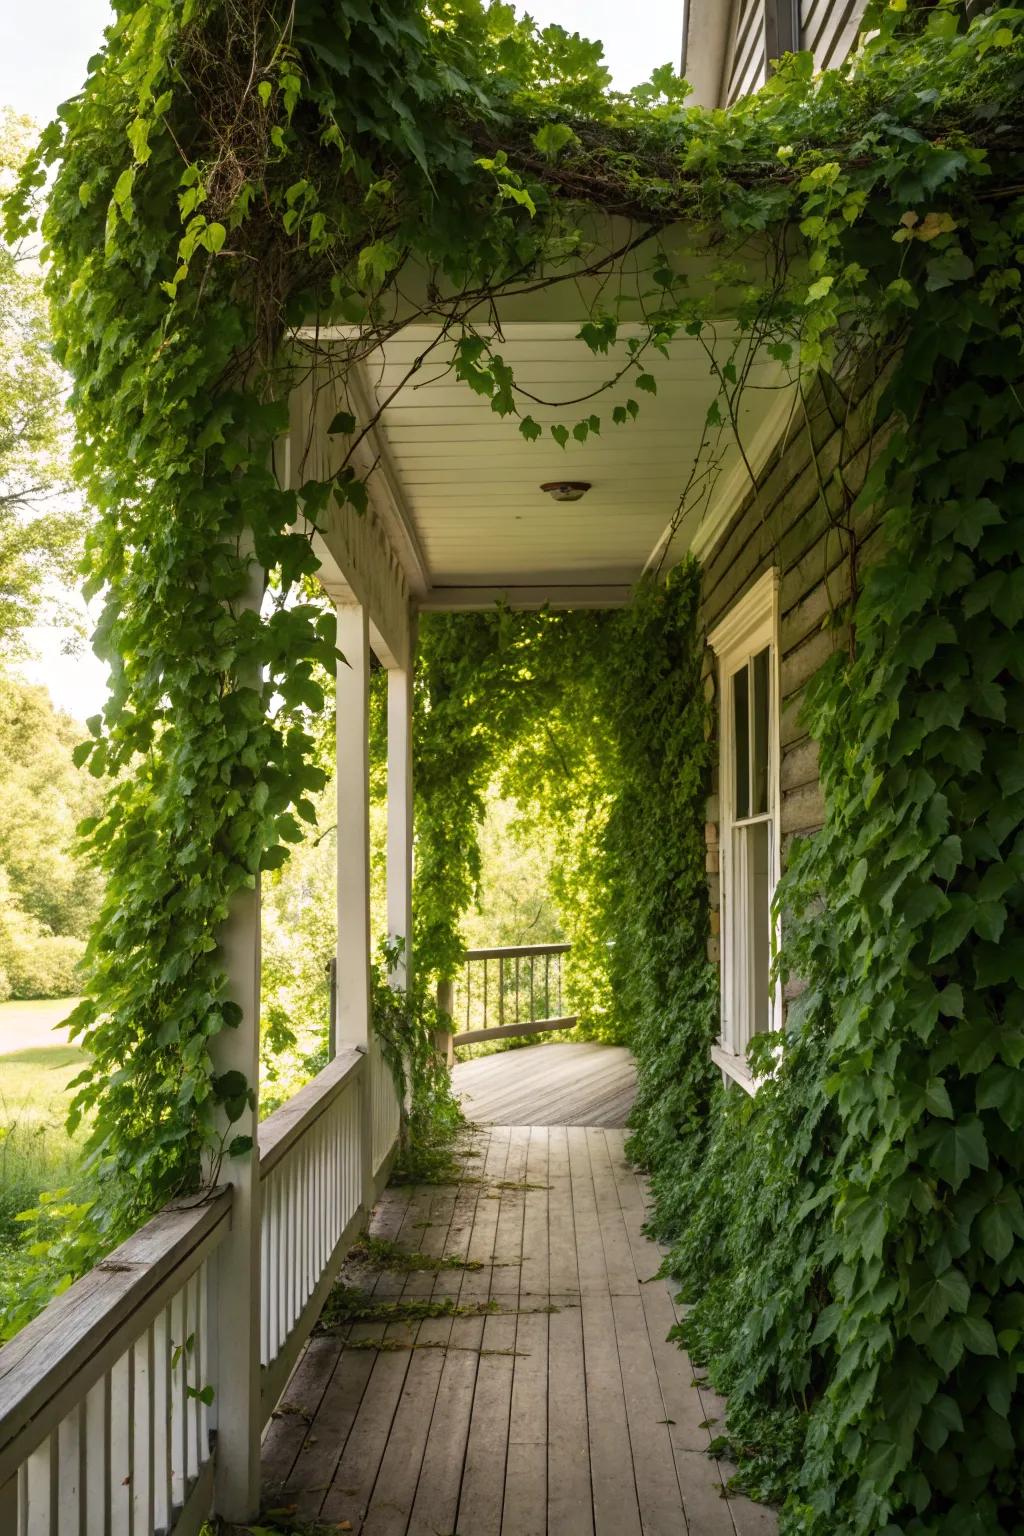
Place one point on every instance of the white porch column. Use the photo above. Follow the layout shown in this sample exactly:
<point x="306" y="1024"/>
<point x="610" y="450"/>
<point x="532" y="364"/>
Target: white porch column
<point x="400" y="818"/>
<point x="352" y="730"/>
<point x="353" y="779"/>
<point x="236" y="1406"/>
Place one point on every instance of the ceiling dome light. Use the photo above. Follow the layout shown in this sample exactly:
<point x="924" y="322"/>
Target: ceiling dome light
<point x="566" y="490"/>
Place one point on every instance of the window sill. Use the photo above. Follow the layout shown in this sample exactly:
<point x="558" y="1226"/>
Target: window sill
<point x="736" y="1068"/>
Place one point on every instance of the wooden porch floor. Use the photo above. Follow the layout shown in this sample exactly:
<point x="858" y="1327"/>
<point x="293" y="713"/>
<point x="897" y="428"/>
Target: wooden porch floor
<point x="551" y="1405"/>
<point x="560" y="1083"/>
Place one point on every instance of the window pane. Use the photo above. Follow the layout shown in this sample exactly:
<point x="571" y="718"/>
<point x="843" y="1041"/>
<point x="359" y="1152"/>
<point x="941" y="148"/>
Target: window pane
<point x="759" y="919"/>
<point x="759" y="730"/>
<point x="741" y="741"/>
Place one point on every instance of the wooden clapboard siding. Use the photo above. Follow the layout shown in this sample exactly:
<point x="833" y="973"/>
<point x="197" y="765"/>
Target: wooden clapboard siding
<point x="747" y="64"/>
<point x="826" y="28"/>
<point x="791" y="524"/>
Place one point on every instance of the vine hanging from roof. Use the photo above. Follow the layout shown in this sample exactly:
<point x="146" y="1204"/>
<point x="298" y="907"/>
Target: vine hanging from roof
<point x="238" y="175"/>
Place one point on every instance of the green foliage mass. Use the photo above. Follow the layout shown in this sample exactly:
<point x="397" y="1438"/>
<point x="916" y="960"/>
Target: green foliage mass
<point x="234" y="172"/>
<point x="551" y="707"/>
<point x="508" y="699"/>
<point x="48" y="896"/>
<point x="41" y="523"/>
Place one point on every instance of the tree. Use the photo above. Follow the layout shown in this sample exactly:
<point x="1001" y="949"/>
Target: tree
<point x="41" y="521"/>
<point x="48" y="898"/>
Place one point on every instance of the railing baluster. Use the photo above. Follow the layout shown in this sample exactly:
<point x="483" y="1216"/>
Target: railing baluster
<point x="71" y="1450"/>
<point x="121" y="1395"/>
<point x="53" y="1491"/>
<point x="501" y="990"/>
<point x="266" y="1270"/>
<point x="178" y="1437"/>
<point x="142" y="1436"/>
<point x="282" y="1256"/>
<point x="195" y="1376"/>
<point x="37" y="1495"/>
<point x="164" y="1395"/>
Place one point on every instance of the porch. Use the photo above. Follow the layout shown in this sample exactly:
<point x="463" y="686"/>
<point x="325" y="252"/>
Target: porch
<point x="545" y="1397"/>
<point x="135" y="1405"/>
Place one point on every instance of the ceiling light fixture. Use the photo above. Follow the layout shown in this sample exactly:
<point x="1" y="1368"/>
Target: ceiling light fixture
<point x="566" y="490"/>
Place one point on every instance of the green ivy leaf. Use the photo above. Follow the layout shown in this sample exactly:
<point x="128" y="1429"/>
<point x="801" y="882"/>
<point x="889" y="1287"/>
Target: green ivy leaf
<point x="958" y="1149"/>
<point x="552" y="138"/>
<point x="1002" y="1088"/>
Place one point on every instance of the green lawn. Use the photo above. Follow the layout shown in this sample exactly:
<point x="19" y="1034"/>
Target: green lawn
<point x="36" y="1153"/>
<point x="24" y="1025"/>
<point x="33" y="1083"/>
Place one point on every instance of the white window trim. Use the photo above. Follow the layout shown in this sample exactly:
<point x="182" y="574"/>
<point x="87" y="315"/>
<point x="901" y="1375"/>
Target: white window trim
<point x="749" y="626"/>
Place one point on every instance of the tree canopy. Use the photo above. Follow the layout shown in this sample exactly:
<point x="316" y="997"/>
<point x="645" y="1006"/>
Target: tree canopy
<point x="41" y="523"/>
<point x="48" y="895"/>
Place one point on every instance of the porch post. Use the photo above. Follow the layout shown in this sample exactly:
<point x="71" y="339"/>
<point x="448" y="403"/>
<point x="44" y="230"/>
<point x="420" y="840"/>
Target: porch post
<point x="399" y="866"/>
<point x="353" y="782"/>
<point x="352" y="1027"/>
<point x="237" y="1406"/>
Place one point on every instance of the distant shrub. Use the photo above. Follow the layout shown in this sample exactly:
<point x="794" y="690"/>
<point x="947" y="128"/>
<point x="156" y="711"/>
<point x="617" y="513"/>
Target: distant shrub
<point x="46" y="966"/>
<point x="34" y="962"/>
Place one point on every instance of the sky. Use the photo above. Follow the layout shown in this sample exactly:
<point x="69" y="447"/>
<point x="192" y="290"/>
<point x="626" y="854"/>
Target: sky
<point x="45" y="46"/>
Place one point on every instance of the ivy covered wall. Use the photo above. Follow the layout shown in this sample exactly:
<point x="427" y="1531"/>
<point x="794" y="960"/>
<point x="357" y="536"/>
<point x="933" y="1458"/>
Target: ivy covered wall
<point x="852" y="1240"/>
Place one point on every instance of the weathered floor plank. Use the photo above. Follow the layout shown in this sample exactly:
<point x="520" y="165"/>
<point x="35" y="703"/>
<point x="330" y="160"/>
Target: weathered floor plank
<point x="553" y="1406"/>
<point x="561" y="1083"/>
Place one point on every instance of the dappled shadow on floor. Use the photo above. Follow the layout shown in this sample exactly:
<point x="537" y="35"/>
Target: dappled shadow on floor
<point x="494" y="1362"/>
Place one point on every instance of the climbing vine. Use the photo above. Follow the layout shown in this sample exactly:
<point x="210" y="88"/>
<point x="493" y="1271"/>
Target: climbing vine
<point x="238" y="176"/>
<point x="512" y="699"/>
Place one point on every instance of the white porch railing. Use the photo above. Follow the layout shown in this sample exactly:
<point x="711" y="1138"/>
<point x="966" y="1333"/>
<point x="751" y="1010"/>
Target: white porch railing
<point x="108" y="1399"/>
<point x="311" y="1197"/>
<point x="510" y="990"/>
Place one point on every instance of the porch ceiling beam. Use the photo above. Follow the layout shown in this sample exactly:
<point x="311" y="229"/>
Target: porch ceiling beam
<point x="385" y="487"/>
<point x="442" y="599"/>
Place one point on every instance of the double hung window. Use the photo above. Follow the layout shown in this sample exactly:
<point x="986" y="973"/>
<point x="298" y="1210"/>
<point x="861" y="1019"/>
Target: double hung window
<point x="746" y="645"/>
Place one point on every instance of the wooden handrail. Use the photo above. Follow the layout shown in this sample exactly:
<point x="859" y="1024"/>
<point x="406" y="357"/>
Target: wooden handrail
<point x="510" y="951"/>
<point x="508" y="1031"/>
<point x="54" y="1361"/>
<point x="279" y="1132"/>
